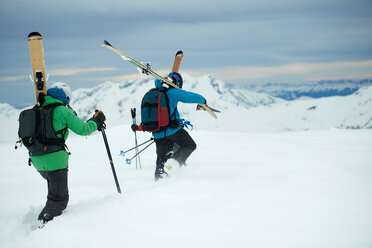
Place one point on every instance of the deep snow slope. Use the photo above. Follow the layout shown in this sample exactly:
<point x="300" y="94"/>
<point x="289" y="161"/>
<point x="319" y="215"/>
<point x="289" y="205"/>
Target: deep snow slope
<point x="293" y="189"/>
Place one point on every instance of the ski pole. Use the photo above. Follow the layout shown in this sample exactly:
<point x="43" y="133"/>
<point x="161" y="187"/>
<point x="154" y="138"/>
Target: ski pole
<point x="133" y="113"/>
<point x="124" y="152"/>
<point x="102" y="129"/>
<point x="128" y="160"/>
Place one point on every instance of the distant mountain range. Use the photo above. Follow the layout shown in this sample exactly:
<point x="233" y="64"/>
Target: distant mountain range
<point x="242" y="110"/>
<point x="121" y="97"/>
<point x="324" y="88"/>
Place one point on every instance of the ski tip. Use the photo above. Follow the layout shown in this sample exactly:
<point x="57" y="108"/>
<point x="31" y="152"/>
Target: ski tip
<point x="33" y="34"/>
<point x="105" y="42"/>
<point x="179" y="53"/>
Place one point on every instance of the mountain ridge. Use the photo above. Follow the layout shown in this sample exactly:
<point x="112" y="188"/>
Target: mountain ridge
<point x="241" y="110"/>
<point x="318" y="89"/>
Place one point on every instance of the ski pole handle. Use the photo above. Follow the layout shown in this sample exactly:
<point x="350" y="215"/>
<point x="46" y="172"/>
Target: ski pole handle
<point x="133" y="112"/>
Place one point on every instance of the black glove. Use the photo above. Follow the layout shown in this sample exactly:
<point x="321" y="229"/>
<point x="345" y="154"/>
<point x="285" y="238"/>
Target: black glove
<point x="134" y="127"/>
<point x="100" y="119"/>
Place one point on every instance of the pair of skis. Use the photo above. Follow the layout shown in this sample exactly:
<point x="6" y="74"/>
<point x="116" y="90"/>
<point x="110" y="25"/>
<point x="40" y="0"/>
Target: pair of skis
<point x="35" y="42"/>
<point x="146" y="69"/>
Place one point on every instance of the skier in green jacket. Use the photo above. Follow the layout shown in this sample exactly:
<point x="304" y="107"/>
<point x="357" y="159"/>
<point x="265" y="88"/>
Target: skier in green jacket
<point x="54" y="166"/>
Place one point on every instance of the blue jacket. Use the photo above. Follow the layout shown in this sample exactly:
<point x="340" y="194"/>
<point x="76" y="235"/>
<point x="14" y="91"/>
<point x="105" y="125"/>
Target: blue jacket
<point x="176" y="95"/>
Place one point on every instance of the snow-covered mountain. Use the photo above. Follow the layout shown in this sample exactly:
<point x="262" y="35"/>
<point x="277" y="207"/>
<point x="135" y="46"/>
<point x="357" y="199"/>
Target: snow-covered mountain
<point x="241" y="110"/>
<point x="116" y="99"/>
<point x="324" y="88"/>
<point x="347" y="112"/>
<point x="8" y="122"/>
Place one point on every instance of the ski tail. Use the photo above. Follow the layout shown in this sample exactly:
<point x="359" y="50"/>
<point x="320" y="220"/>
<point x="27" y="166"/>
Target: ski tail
<point x="35" y="42"/>
<point x="177" y="61"/>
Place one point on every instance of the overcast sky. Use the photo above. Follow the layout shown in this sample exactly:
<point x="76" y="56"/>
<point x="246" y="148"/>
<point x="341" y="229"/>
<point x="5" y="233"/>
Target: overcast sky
<point x="236" y="41"/>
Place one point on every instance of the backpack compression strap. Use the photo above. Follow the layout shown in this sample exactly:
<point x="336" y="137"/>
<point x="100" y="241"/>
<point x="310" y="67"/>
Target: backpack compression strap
<point x="54" y="141"/>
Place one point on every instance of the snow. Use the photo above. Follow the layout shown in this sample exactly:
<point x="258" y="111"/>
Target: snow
<point x="266" y="173"/>
<point x="8" y="122"/>
<point x="290" y="189"/>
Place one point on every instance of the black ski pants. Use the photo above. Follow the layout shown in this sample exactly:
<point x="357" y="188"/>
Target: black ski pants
<point x="58" y="196"/>
<point x="178" y="146"/>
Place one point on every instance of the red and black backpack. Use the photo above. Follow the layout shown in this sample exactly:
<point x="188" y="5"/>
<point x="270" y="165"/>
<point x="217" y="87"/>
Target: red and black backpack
<point x="155" y="112"/>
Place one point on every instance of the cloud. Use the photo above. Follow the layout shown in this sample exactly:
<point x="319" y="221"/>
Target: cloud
<point x="121" y="78"/>
<point x="295" y="72"/>
<point x="145" y="5"/>
<point x="12" y="78"/>
<point x="61" y="72"/>
<point x="74" y="71"/>
<point x="347" y="77"/>
<point x="305" y="71"/>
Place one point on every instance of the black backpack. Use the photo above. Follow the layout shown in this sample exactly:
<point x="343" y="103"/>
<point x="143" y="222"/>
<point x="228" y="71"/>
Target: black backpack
<point x="155" y="112"/>
<point x="36" y="130"/>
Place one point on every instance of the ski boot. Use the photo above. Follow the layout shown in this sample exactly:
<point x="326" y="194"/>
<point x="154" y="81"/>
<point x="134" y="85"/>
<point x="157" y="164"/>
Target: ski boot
<point x="160" y="172"/>
<point x="169" y="155"/>
<point x="43" y="219"/>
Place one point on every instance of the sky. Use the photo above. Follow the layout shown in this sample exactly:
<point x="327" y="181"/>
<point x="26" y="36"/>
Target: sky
<point x="237" y="41"/>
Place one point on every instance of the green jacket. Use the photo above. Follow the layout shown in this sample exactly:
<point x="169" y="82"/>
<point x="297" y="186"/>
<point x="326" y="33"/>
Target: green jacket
<point x="62" y="117"/>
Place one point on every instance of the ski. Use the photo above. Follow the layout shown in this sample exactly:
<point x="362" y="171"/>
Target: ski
<point x="177" y="61"/>
<point x="35" y="43"/>
<point x="213" y="109"/>
<point x="176" y="67"/>
<point x="146" y="69"/>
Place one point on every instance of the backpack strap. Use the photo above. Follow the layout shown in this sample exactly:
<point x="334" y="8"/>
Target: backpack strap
<point x="174" y="111"/>
<point x="54" y="141"/>
<point x="171" y="122"/>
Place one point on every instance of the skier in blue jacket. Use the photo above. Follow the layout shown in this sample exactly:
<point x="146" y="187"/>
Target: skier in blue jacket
<point x="173" y="142"/>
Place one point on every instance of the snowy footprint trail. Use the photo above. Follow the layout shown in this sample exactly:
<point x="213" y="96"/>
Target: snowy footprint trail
<point x="301" y="189"/>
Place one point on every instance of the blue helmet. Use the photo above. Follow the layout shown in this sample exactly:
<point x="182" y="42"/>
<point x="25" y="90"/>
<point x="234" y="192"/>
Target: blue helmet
<point x="176" y="78"/>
